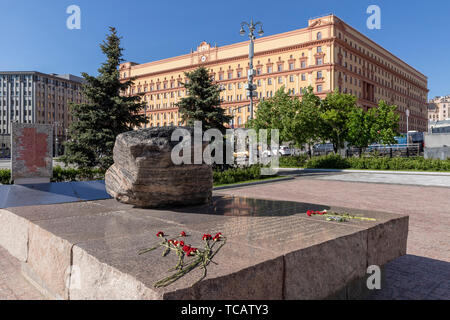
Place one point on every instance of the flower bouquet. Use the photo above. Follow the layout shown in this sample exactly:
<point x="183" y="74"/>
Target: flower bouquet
<point x="198" y="258"/>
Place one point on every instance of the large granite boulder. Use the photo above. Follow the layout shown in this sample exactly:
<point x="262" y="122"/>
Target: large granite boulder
<point x="144" y="175"/>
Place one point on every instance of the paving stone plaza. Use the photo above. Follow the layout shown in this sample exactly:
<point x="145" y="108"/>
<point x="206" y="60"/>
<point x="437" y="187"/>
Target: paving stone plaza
<point x="423" y="273"/>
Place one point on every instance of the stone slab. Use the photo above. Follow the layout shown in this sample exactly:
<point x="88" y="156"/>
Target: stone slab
<point x="31" y="152"/>
<point x="51" y="193"/>
<point x="14" y="234"/>
<point x="274" y="251"/>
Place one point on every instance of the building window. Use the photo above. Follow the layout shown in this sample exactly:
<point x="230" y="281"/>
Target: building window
<point x="269" y="81"/>
<point x="291" y="66"/>
<point x="303" y="76"/>
<point x="303" y="64"/>
<point x="291" y="78"/>
<point x="280" y="80"/>
<point x="319" y="49"/>
<point x="319" y="61"/>
<point x="269" y="69"/>
<point x="319" y="88"/>
<point x="280" y="67"/>
<point x="319" y="35"/>
<point x="319" y="74"/>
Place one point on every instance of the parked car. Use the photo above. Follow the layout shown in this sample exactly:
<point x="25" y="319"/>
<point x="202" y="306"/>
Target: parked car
<point x="285" y="151"/>
<point x="323" y="147"/>
<point x="282" y="151"/>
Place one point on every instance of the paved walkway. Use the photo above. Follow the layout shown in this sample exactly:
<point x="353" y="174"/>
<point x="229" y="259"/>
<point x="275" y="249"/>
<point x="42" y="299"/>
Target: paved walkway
<point x="424" y="273"/>
<point x="403" y="179"/>
<point x="418" y="179"/>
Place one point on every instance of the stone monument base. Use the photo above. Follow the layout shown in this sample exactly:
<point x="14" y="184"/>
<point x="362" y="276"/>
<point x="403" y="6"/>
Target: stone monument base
<point x="26" y="181"/>
<point x="89" y="250"/>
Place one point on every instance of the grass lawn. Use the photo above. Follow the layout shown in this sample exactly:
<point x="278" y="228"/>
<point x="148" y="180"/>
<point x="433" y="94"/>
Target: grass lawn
<point x="250" y="181"/>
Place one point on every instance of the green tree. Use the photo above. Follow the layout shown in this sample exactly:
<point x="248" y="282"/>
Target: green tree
<point x="202" y="102"/>
<point x="307" y="120"/>
<point x="335" y="111"/>
<point x="375" y="125"/>
<point x="107" y="113"/>
<point x="386" y="126"/>
<point x="298" y="121"/>
<point x="276" y="113"/>
<point x="361" y="131"/>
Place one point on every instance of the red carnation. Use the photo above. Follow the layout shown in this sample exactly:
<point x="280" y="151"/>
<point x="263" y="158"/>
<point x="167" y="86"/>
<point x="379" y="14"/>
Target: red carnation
<point x="309" y="213"/>
<point x="183" y="234"/>
<point x="160" y="234"/>
<point x="217" y="236"/>
<point x="207" y="237"/>
<point x="186" y="248"/>
<point x="181" y="243"/>
<point x="191" y="251"/>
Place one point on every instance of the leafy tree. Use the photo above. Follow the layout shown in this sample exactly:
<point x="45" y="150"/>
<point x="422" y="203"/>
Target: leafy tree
<point x="202" y="102"/>
<point x="276" y="113"/>
<point x="361" y="129"/>
<point x="307" y="120"/>
<point x="376" y="125"/>
<point x="386" y="126"/>
<point x="335" y="111"/>
<point x="107" y="113"/>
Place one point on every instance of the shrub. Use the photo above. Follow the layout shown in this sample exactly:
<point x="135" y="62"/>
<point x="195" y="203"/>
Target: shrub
<point x="5" y="176"/>
<point x="331" y="161"/>
<point x="72" y="174"/>
<point x="368" y="163"/>
<point x="236" y="175"/>
<point x="293" y="161"/>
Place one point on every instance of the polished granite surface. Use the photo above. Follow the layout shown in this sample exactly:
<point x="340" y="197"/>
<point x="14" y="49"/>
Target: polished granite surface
<point x="51" y="193"/>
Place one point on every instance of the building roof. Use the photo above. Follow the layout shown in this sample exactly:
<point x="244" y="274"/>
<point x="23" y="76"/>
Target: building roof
<point x="68" y="77"/>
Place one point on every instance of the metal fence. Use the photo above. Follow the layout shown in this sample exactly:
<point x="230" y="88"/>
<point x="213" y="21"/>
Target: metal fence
<point x="395" y="151"/>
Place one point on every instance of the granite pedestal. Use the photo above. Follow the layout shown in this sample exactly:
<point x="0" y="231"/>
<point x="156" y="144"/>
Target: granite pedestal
<point x="89" y="250"/>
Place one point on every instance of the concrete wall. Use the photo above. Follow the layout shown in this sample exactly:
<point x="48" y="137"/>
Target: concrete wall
<point x="437" y="146"/>
<point x="437" y="140"/>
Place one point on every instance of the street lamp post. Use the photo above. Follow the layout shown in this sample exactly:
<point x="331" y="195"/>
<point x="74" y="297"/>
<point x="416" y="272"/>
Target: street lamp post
<point x="251" y="88"/>
<point x="56" y="124"/>
<point x="407" y="127"/>
<point x="407" y="120"/>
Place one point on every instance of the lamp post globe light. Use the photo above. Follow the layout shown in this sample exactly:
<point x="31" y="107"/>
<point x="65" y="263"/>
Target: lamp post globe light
<point x="250" y="87"/>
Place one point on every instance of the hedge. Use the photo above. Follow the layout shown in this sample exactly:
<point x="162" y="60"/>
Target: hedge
<point x="293" y="161"/>
<point x="62" y="175"/>
<point x="369" y="163"/>
<point x="237" y="175"/>
<point x="69" y="174"/>
<point x="5" y="176"/>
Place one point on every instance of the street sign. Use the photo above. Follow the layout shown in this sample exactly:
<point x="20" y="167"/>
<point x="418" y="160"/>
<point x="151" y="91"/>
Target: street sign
<point x="255" y="94"/>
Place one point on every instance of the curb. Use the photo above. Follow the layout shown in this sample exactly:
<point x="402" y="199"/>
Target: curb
<point x="238" y="185"/>
<point x="423" y="173"/>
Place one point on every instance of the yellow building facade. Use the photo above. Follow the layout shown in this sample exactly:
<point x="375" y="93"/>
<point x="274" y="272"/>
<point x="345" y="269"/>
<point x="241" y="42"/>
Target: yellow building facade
<point x="327" y="55"/>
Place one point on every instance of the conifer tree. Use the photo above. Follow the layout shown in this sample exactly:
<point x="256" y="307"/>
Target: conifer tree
<point x="107" y="113"/>
<point x="202" y="102"/>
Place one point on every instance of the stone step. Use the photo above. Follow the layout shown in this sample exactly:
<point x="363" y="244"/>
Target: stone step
<point x="89" y="250"/>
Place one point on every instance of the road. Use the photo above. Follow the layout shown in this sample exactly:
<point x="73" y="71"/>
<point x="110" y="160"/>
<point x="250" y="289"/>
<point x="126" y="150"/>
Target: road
<point x="6" y="164"/>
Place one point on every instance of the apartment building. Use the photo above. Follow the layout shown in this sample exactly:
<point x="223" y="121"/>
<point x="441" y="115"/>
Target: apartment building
<point x="328" y="55"/>
<point x="34" y="97"/>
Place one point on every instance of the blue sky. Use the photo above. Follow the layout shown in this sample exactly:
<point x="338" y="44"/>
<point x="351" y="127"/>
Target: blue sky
<point x="34" y="36"/>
